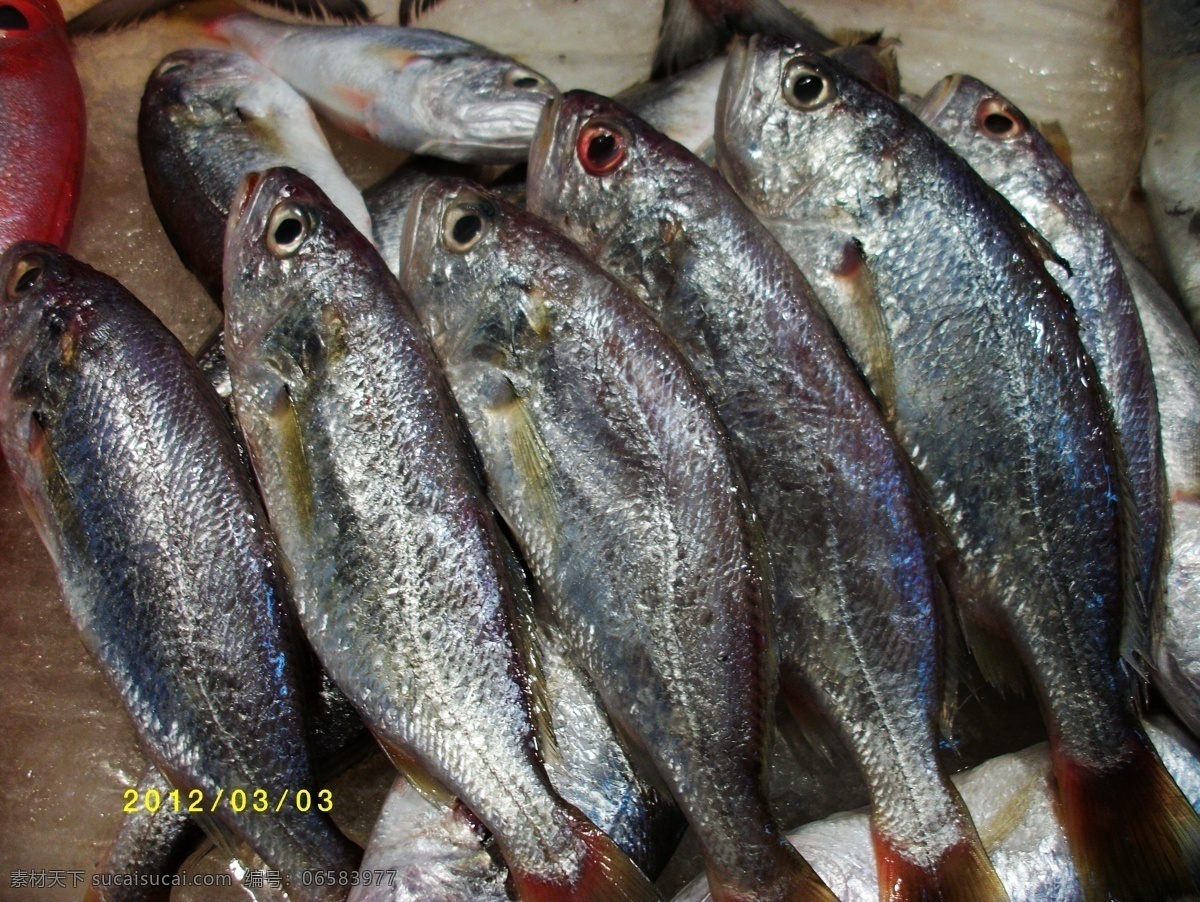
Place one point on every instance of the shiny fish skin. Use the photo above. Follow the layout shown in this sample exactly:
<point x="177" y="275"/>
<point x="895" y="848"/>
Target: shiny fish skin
<point x="160" y="545"/>
<point x="210" y="117"/>
<point x="996" y="402"/>
<point x="409" y="88"/>
<point x="854" y="605"/>
<point x="1175" y="356"/>
<point x="1002" y="145"/>
<point x="402" y="580"/>
<point x="607" y="461"/>
<point x="1171" y="163"/>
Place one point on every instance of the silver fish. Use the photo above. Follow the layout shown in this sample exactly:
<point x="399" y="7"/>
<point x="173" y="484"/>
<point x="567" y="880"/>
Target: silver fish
<point x="1002" y="145"/>
<point x="403" y="582"/>
<point x="608" y="462"/>
<point x="409" y="88"/>
<point x="161" y="548"/>
<point x="999" y="407"/>
<point x="209" y="118"/>
<point x="854" y="607"/>
<point x="1171" y="163"/>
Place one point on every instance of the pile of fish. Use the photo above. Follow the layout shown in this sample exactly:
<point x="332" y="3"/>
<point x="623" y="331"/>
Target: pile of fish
<point x="762" y="413"/>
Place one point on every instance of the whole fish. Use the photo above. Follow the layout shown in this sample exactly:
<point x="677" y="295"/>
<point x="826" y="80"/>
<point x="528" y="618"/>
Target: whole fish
<point x="998" y="405"/>
<point x="1175" y="356"/>
<point x="1002" y="145"/>
<point x="42" y="124"/>
<point x="438" y="853"/>
<point x="854" y="608"/>
<point x="608" y="463"/>
<point x="209" y="118"/>
<point x="162" y="550"/>
<point x="1171" y="163"/>
<point x="403" y="581"/>
<point x="409" y="88"/>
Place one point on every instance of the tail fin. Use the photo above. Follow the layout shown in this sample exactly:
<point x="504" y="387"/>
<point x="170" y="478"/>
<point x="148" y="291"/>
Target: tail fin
<point x="689" y="36"/>
<point x="962" y="874"/>
<point x="1132" y="833"/>
<point x="605" y="875"/>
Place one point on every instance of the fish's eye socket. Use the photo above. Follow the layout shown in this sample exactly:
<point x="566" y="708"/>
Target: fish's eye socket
<point x="805" y="87"/>
<point x="601" y="149"/>
<point x="26" y="275"/>
<point x="463" y="227"/>
<point x="523" y="79"/>
<point x="997" y="120"/>
<point x="288" y="228"/>
<point x="12" y="19"/>
<point x="166" y="67"/>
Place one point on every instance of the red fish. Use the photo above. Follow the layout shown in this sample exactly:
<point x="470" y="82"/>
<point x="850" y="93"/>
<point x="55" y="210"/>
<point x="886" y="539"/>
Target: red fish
<point x="42" y="124"/>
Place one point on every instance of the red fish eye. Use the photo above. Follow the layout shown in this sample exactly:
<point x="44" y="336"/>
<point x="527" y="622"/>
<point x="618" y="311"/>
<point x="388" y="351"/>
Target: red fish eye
<point x="601" y="150"/>
<point x="21" y="15"/>
<point x="996" y="120"/>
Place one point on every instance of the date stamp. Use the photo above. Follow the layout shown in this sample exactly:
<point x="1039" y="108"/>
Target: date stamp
<point x="259" y="801"/>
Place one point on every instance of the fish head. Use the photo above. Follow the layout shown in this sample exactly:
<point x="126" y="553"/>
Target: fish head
<point x="799" y="136"/>
<point x="24" y="22"/>
<point x="980" y="124"/>
<point x="288" y="252"/>
<point x="479" y="107"/>
<point x="623" y="191"/>
<point x="48" y="327"/>
<point x="486" y="280"/>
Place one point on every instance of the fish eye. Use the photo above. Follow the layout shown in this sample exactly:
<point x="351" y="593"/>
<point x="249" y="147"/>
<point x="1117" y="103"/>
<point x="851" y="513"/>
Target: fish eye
<point x="996" y="119"/>
<point x="288" y="228"/>
<point x="167" y="66"/>
<point x="523" y="79"/>
<point x="806" y="88"/>
<point x="12" y="19"/>
<point x="463" y="227"/>
<point x="25" y="276"/>
<point x="601" y="149"/>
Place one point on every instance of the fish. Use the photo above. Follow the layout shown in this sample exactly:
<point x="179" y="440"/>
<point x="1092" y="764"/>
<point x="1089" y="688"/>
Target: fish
<point x="997" y="403"/>
<point x="855" y="610"/>
<point x="162" y="551"/>
<point x="112" y="15"/>
<point x="439" y="855"/>
<point x="1011" y="798"/>
<point x="1170" y="82"/>
<point x="1001" y="144"/>
<point x="43" y="124"/>
<point x="404" y="584"/>
<point x="608" y="464"/>
<point x="207" y="119"/>
<point x="412" y="89"/>
<point x="1175" y="357"/>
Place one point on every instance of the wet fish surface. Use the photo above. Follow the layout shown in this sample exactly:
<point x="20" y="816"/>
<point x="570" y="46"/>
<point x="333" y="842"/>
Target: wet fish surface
<point x="608" y="462"/>
<point x="1171" y="162"/>
<point x="996" y="402"/>
<point x="208" y="118"/>
<point x="1002" y="145"/>
<point x="854" y="607"/>
<point x="161" y="548"/>
<point x="409" y="88"/>
<point x="404" y="584"/>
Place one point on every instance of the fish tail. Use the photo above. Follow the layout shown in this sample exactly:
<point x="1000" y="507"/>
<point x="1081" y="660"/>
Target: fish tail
<point x="689" y="35"/>
<point x="606" y="874"/>
<point x="1132" y="833"/>
<point x="962" y="874"/>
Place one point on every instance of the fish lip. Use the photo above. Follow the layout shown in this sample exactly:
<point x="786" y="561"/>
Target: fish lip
<point x="937" y="98"/>
<point x="541" y="150"/>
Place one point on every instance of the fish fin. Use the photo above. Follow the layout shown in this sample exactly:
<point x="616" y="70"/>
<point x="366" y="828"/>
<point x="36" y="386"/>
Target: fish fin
<point x="429" y="786"/>
<point x="348" y="12"/>
<point x="411" y="10"/>
<point x="295" y="462"/>
<point x="1131" y="831"/>
<point x="995" y="656"/>
<point x="954" y="655"/>
<point x="687" y="36"/>
<point x="1055" y="135"/>
<point x="1041" y="246"/>
<point x="809" y="727"/>
<point x="873" y="62"/>
<point x="530" y="456"/>
<point x="604" y="873"/>
<point x="872" y="338"/>
<point x="110" y="15"/>
<point x="962" y="874"/>
<point x="529" y="636"/>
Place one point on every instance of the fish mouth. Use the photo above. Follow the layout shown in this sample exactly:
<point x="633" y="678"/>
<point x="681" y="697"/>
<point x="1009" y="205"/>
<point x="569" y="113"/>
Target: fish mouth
<point x="938" y="98"/>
